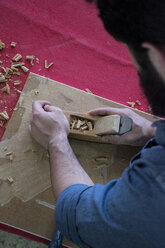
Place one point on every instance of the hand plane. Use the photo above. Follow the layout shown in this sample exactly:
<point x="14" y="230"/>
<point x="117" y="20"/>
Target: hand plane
<point x="91" y="128"/>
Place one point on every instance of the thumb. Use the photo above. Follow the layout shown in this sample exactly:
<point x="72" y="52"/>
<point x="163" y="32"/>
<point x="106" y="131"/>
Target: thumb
<point x="105" y="111"/>
<point x="48" y="108"/>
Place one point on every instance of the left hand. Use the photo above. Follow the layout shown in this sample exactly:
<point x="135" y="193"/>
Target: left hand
<point x="48" y="124"/>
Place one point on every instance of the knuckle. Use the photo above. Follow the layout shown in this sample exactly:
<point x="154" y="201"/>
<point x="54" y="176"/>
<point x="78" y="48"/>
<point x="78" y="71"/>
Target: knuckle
<point x="36" y="115"/>
<point x="127" y="111"/>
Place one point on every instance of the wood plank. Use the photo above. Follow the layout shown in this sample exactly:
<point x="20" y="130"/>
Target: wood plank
<point x="29" y="198"/>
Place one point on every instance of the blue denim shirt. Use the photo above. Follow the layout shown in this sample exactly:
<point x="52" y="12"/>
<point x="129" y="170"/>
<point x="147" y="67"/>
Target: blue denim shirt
<point x="124" y="213"/>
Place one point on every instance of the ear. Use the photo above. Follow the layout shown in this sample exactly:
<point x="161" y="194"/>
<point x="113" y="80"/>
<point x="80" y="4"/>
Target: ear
<point x="157" y="57"/>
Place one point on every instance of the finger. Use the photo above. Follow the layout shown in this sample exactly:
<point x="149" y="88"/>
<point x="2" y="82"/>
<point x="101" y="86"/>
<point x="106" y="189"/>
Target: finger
<point x="113" y="139"/>
<point x="110" y="111"/>
<point x="37" y="106"/>
<point x="49" y="108"/>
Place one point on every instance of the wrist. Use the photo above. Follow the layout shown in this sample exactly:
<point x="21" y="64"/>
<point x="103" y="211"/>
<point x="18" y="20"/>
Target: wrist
<point x="150" y="132"/>
<point x="58" y="142"/>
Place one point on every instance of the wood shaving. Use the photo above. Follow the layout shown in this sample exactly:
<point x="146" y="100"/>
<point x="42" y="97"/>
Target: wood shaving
<point x="2" y="78"/>
<point x="10" y="179"/>
<point x="19" y="91"/>
<point x="89" y="124"/>
<point x="101" y="159"/>
<point x="17" y="82"/>
<point x="48" y="66"/>
<point x="89" y="91"/>
<point x="4" y="116"/>
<point x="81" y="124"/>
<point x="17" y="57"/>
<point x="4" y="69"/>
<point x="25" y="69"/>
<point x="6" y="89"/>
<point x="138" y="102"/>
<point x="8" y="154"/>
<point x="13" y="68"/>
<point x="16" y="73"/>
<point x="37" y="60"/>
<point x="36" y="92"/>
<point x="131" y="104"/>
<point x="17" y="64"/>
<point x="2" y="45"/>
<point x="13" y="44"/>
<point x="30" y="58"/>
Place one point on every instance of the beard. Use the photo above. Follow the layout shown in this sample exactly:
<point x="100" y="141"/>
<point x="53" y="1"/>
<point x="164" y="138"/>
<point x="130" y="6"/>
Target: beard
<point x="151" y="81"/>
<point x="154" y="88"/>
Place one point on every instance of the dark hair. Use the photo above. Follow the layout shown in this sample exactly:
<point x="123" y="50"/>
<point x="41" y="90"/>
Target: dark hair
<point x="134" y="21"/>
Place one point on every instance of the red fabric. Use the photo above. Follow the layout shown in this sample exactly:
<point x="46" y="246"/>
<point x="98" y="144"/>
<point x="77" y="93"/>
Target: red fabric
<point x="70" y="34"/>
<point x="23" y="234"/>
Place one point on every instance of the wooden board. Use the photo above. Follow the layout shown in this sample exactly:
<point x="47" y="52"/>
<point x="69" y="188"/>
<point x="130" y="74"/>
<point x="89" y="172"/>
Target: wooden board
<point x="28" y="202"/>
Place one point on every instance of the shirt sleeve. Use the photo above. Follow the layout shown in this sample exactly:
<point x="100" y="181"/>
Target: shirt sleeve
<point x="120" y="213"/>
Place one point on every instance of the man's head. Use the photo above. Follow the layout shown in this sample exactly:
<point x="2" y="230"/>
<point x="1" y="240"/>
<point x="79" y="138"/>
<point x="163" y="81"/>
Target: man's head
<point x="140" y="25"/>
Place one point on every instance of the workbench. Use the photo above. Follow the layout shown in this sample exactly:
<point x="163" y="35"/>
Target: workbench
<point x="71" y="35"/>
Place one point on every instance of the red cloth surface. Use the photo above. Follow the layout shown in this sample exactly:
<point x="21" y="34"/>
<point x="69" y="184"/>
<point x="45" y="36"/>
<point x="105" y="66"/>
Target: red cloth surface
<point x="70" y="34"/>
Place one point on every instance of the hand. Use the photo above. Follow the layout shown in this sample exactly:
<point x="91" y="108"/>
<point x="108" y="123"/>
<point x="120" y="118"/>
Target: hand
<point x="48" y="124"/>
<point x="141" y="129"/>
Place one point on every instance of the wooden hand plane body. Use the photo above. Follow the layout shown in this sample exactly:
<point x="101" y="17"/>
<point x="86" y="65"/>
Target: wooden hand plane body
<point x="91" y="128"/>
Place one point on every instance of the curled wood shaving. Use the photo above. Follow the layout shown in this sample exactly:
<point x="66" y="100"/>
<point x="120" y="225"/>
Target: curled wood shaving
<point x="17" y="57"/>
<point x="17" y="64"/>
<point x="8" y="71"/>
<point x="2" y="45"/>
<point x="81" y="124"/>
<point x="13" y="44"/>
<point x="10" y="179"/>
<point x="36" y="92"/>
<point x="131" y="104"/>
<point x="4" y="116"/>
<point x="18" y="91"/>
<point x="25" y="69"/>
<point x="89" y="91"/>
<point x="17" y="82"/>
<point x="30" y="58"/>
<point x="2" y="78"/>
<point x="48" y="66"/>
<point x="6" y="89"/>
<point x="138" y="102"/>
<point x="16" y="73"/>
<point x="89" y="124"/>
<point x="13" y="68"/>
<point x="8" y="154"/>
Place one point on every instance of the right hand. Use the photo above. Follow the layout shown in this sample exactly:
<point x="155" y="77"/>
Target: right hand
<point x="141" y="129"/>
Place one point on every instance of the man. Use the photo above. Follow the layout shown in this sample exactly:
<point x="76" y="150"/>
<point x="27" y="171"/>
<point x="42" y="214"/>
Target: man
<point x="129" y="212"/>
